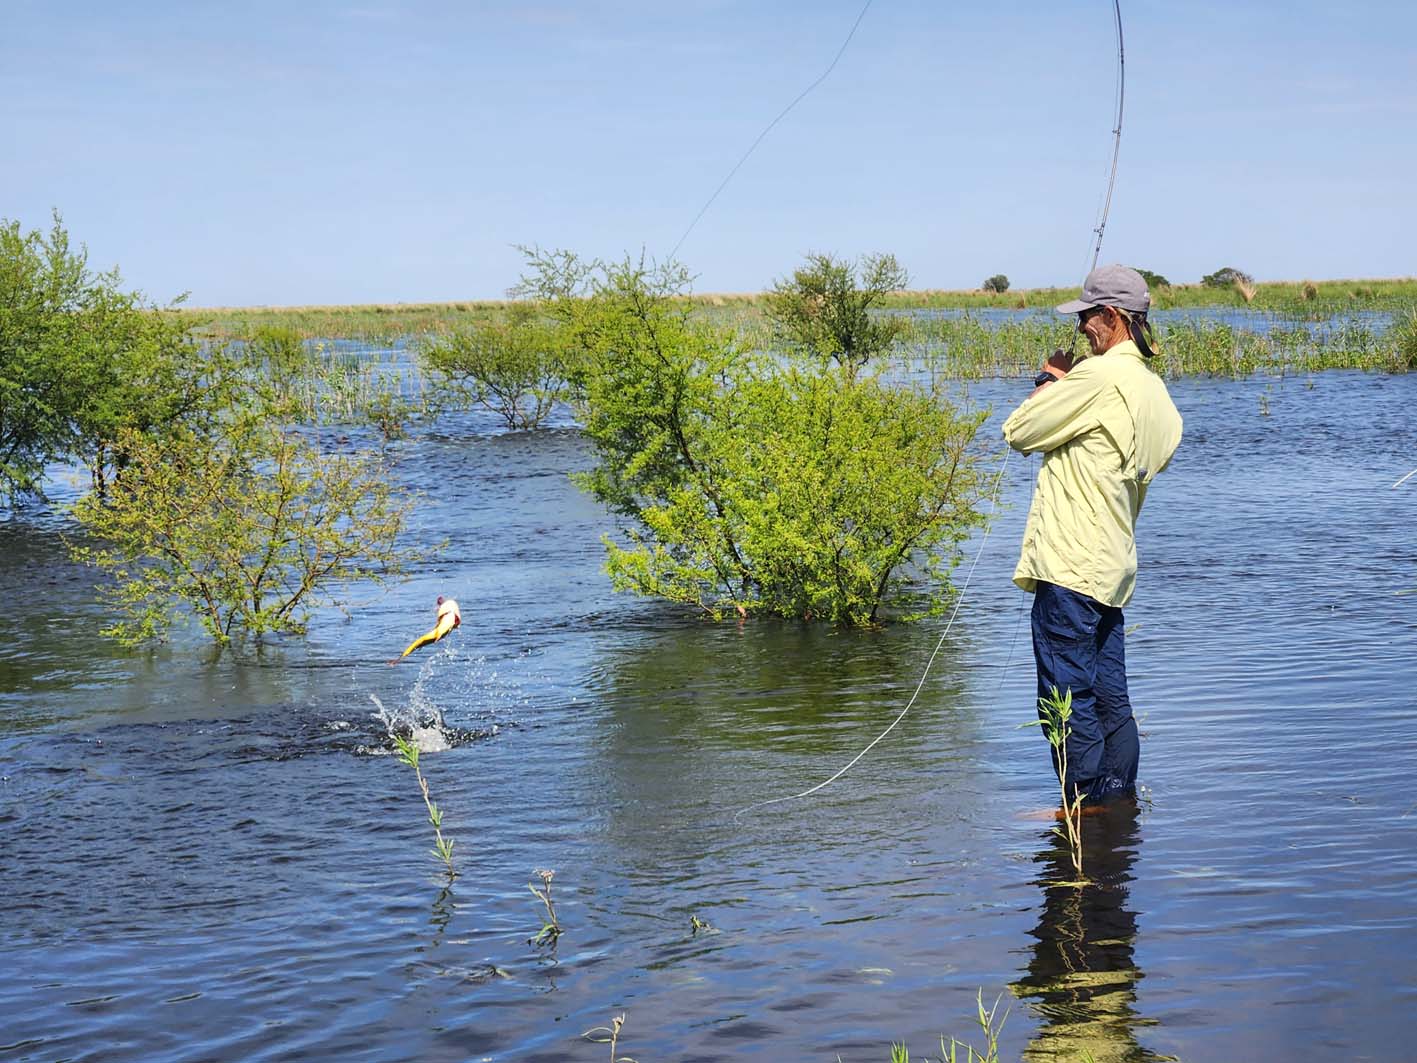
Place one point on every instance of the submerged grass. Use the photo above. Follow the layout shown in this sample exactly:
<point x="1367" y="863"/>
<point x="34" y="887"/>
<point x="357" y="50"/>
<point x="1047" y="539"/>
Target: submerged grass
<point x="967" y="347"/>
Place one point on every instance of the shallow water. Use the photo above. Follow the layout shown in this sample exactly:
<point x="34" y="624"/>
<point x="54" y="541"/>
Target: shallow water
<point x="209" y="858"/>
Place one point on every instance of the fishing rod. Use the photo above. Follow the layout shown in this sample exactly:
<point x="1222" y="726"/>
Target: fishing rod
<point x="1116" y="131"/>
<point x="1099" y="230"/>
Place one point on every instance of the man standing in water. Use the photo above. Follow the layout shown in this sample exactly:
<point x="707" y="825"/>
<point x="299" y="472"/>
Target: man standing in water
<point x="1106" y="426"/>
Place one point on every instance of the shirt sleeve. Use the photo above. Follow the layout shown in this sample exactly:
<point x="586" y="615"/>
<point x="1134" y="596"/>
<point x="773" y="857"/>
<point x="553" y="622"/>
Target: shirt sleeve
<point x="1058" y="413"/>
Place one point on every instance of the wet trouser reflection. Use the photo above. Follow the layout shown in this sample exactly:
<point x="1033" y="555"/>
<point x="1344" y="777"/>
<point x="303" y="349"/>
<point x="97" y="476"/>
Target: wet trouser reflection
<point x="1081" y="980"/>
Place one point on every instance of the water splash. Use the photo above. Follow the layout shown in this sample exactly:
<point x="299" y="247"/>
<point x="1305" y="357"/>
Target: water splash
<point x="473" y="689"/>
<point x="426" y="731"/>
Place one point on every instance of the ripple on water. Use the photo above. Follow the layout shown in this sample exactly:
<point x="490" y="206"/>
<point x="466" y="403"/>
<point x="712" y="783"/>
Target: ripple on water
<point x="198" y="862"/>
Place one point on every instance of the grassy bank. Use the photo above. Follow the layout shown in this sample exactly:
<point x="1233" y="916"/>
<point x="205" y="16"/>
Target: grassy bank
<point x="1308" y="299"/>
<point x="1304" y="300"/>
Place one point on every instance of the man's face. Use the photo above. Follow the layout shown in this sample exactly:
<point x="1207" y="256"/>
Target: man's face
<point x="1098" y="324"/>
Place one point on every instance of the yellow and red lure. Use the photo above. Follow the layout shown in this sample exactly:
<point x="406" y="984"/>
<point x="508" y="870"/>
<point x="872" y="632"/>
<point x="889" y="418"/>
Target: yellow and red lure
<point x="448" y="618"/>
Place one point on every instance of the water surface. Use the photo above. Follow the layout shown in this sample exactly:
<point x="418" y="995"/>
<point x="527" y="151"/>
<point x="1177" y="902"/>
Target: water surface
<point x="211" y="857"/>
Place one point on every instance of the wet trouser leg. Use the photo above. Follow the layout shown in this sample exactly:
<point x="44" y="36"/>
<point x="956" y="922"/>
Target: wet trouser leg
<point x="1078" y="645"/>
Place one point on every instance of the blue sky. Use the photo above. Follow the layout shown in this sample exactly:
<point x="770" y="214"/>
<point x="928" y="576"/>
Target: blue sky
<point x="309" y="152"/>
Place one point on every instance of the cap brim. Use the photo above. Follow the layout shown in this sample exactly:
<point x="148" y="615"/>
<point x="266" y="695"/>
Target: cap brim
<point x="1077" y="306"/>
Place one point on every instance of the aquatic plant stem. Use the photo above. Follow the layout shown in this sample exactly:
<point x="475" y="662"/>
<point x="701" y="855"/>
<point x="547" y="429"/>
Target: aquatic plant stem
<point x="613" y="1038"/>
<point x="551" y="929"/>
<point x="443" y="849"/>
<point x="1055" y="711"/>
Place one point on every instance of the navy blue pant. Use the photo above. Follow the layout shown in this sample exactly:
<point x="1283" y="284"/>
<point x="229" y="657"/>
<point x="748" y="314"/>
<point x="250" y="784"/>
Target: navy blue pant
<point x="1078" y="645"/>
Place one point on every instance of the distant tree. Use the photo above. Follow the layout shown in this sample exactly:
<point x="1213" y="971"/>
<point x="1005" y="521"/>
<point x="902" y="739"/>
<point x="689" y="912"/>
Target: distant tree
<point x="825" y="307"/>
<point x="1153" y="280"/>
<point x="1226" y="277"/>
<point x="997" y="283"/>
<point x="516" y="367"/>
<point x="83" y="363"/>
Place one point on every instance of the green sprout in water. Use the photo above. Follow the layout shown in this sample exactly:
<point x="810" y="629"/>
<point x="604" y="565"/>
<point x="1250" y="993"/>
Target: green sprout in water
<point x="696" y="924"/>
<point x="551" y="929"/>
<point x="612" y="1037"/>
<point x="443" y="849"/>
<point x="1054" y="712"/>
<point x="990" y="1021"/>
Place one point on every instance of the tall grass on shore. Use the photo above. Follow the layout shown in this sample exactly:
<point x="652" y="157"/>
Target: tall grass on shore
<point x="327" y="383"/>
<point x="1306" y="300"/>
<point x="382" y="323"/>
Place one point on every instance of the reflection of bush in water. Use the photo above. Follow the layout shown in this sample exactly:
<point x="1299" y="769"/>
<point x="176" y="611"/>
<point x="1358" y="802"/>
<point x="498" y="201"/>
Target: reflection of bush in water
<point x="783" y="686"/>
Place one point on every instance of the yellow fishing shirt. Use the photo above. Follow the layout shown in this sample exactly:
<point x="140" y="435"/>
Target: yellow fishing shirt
<point x="1105" y="430"/>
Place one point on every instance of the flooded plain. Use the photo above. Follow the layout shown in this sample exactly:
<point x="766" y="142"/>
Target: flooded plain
<point x="213" y="857"/>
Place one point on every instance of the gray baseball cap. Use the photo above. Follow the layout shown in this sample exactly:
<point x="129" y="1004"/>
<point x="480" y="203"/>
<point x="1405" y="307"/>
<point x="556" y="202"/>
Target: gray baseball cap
<point x="1112" y="285"/>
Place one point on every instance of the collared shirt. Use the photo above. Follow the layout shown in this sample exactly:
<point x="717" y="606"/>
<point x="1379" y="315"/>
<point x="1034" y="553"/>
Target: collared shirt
<point x="1105" y="430"/>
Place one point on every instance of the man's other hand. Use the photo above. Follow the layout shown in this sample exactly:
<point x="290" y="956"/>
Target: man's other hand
<point x="1059" y="363"/>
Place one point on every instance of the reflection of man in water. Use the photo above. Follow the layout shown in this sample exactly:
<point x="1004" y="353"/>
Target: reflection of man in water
<point x="1105" y="426"/>
<point x="1081" y="978"/>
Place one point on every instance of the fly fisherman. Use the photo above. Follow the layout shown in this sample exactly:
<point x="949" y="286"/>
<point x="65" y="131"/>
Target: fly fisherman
<point x="1106" y="426"/>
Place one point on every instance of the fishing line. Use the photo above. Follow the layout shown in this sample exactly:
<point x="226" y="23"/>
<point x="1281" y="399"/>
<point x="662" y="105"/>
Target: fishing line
<point x="998" y="481"/>
<point x="769" y="128"/>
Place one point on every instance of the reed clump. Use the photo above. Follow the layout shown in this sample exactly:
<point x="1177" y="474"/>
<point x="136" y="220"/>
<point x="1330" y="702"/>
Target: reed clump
<point x="966" y="347"/>
<point x="326" y="384"/>
<point x="1404" y="340"/>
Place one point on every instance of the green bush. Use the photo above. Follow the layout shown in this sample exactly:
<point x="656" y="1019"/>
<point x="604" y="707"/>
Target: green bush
<point x="248" y="527"/>
<point x="516" y="368"/>
<point x="1153" y="280"/>
<point x="751" y="487"/>
<point x="83" y="362"/>
<point x="998" y="284"/>
<point x="825" y="307"/>
<point x="203" y="496"/>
